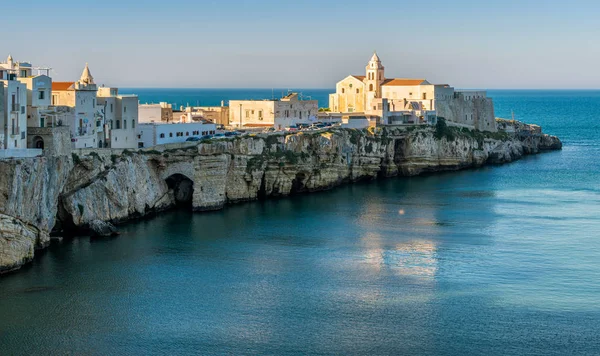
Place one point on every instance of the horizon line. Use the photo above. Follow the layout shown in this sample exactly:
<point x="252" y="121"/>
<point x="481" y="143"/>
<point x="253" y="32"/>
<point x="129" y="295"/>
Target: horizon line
<point x="309" y="88"/>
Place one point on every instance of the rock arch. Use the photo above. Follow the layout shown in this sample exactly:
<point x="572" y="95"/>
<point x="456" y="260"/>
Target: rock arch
<point x="182" y="188"/>
<point x="38" y="142"/>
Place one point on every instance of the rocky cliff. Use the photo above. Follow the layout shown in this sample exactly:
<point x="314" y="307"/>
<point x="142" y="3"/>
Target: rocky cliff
<point x="101" y="185"/>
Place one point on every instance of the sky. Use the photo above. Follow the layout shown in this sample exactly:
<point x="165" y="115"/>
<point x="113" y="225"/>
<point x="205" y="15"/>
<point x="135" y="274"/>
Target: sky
<point x="488" y="44"/>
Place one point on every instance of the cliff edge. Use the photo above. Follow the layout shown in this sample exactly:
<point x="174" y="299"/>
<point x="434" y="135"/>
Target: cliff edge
<point x="70" y="194"/>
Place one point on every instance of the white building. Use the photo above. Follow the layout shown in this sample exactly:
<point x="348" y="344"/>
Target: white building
<point x="102" y="118"/>
<point x="282" y="113"/>
<point x="120" y="117"/>
<point x="86" y="124"/>
<point x="13" y="117"/>
<point x="162" y="112"/>
<point x="152" y="134"/>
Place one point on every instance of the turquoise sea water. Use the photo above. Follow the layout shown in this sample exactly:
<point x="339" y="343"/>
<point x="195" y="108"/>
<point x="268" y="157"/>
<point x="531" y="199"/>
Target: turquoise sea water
<point x="495" y="261"/>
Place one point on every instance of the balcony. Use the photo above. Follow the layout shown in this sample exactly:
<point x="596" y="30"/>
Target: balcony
<point x="16" y="107"/>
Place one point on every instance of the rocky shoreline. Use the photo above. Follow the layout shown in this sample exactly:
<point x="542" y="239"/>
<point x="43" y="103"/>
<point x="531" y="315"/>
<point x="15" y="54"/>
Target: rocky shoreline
<point x="83" y="192"/>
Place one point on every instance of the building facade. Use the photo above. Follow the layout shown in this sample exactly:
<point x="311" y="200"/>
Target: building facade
<point x="400" y="101"/>
<point x="282" y="113"/>
<point x="13" y="119"/>
<point x="152" y="134"/>
<point x="161" y="112"/>
<point x="121" y="114"/>
<point x="101" y="117"/>
<point x="87" y="120"/>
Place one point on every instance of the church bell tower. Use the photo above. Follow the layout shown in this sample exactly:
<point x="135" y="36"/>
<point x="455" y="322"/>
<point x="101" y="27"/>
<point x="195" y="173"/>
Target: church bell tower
<point x="374" y="79"/>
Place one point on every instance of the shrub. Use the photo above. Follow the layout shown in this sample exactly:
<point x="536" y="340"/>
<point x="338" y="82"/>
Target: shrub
<point x="76" y="158"/>
<point x="272" y="140"/>
<point x="442" y="130"/>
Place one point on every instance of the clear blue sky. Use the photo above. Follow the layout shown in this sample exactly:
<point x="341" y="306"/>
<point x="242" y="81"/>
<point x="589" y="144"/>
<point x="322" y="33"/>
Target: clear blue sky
<point x="310" y="43"/>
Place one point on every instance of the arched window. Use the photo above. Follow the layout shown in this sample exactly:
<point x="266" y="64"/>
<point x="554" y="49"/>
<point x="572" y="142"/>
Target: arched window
<point x="133" y="124"/>
<point x="370" y="87"/>
<point x="343" y="90"/>
<point x="162" y="135"/>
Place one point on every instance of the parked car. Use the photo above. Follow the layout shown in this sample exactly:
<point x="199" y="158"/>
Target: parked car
<point x="292" y="128"/>
<point x="219" y="135"/>
<point x="269" y="129"/>
<point x="207" y="137"/>
<point x="193" y="138"/>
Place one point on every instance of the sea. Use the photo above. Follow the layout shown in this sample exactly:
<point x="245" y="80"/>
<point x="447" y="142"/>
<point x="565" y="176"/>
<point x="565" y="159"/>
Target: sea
<point x="500" y="260"/>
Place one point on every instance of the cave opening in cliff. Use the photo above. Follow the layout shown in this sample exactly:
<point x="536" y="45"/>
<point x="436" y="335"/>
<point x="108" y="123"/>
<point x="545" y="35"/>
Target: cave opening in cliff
<point x="182" y="188"/>
<point x="299" y="183"/>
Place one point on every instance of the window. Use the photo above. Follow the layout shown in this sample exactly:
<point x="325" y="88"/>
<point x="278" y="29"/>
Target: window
<point x="343" y="90"/>
<point x="42" y="95"/>
<point x="133" y="124"/>
<point x="124" y="124"/>
<point x="170" y="134"/>
<point x="93" y="103"/>
<point x="187" y="133"/>
<point x="350" y="85"/>
<point x="162" y="135"/>
<point x="111" y="107"/>
<point x="118" y="124"/>
<point x="124" y="108"/>
<point x="252" y="112"/>
<point x="409" y="94"/>
<point x="424" y="96"/>
<point x="357" y="91"/>
<point x="260" y="114"/>
<point x="379" y="76"/>
<point x="22" y="110"/>
<point x="247" y="114"/>
<point x="370" y="87"/>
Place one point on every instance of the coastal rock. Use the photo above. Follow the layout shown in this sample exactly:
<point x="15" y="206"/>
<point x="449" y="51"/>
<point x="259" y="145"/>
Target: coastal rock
<point x="95" y="187"/>
<point x="101" y="228"/>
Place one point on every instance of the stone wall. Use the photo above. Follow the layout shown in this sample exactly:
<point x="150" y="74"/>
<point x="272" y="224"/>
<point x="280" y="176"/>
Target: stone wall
<point x="56" y="140"/>
<point x="476" y="112"/>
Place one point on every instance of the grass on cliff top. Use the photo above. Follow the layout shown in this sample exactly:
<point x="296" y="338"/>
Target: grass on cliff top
<point x="442" y="130"/>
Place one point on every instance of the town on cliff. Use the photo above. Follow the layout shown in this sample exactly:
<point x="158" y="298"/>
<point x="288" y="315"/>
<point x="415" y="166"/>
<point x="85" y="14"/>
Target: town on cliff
<point x="77" y="158"/>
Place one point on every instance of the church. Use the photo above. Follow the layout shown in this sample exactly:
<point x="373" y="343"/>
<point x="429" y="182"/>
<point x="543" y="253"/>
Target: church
<point x="398" y="101"/>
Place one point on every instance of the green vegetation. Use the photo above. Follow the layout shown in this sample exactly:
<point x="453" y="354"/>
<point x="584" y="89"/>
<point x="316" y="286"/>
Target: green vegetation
<point x="254" y="163"/>
<point x="114" y="158"/>
<point x="442" y="130"/>
<point x="272" y="140"/>
<point x="128" y="153"/>
<point x="324" y="109"/>
<point x="355" y="136"/>
<point x="76" y="158"/>
<point x="95" y="154"/>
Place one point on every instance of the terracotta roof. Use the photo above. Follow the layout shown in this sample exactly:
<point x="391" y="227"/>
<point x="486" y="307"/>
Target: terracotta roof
<point x="58" y="86"/>
<point x="359" y="77"/>
<point x="404" y="82"/>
